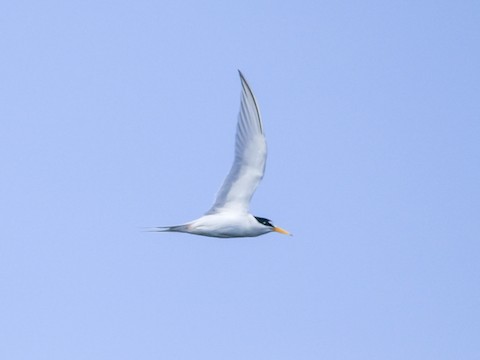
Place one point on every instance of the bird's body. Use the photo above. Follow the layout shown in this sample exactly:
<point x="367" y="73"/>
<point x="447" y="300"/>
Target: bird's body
<point x="229" y="216"/>
<point x="223" y="225"/>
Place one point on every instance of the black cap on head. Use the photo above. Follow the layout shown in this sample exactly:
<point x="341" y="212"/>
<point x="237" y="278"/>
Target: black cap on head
<point x="264" y="221"/>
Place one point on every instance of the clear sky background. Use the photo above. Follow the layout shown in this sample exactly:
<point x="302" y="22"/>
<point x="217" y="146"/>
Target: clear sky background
<point x="116" y="115"/>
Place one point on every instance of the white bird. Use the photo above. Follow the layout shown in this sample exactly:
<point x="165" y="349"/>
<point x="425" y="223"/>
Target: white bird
<point x="229" y="216"/>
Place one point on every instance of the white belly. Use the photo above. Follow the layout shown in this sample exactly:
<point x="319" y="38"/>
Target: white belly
<point x="227" y="225"/>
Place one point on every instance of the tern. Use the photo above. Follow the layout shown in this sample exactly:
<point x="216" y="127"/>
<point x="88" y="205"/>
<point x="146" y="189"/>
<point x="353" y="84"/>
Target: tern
<point x="229" y="216"/>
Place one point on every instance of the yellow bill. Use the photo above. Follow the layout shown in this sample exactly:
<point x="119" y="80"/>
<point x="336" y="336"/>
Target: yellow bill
<point x="281" y="231"/>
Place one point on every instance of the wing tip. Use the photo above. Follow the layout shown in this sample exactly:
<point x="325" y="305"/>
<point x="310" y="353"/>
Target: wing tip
<point x="242" y="77"/>
<point x="245" y="82"/>
<point x="248" y="90"/>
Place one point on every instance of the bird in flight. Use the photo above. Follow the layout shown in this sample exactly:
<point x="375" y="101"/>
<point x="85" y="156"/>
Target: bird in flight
<point x="229" y="216"/>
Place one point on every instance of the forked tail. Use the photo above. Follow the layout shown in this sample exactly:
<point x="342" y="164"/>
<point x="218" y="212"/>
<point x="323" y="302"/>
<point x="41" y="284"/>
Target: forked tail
<point x="176" y="228"/>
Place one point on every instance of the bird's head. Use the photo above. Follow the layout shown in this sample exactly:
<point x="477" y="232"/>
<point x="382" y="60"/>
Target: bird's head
<point x="268" y="223"/>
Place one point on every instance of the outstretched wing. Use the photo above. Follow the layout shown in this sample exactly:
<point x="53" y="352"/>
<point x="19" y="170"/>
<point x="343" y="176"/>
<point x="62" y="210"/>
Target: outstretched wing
<point x="250" y="157"/>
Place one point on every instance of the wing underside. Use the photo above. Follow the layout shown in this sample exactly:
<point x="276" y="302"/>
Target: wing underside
<point x="250" y="157"/>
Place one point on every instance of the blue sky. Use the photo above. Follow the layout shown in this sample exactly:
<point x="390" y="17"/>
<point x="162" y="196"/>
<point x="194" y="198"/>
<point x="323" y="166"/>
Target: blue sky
<point x="119" y="115"/>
